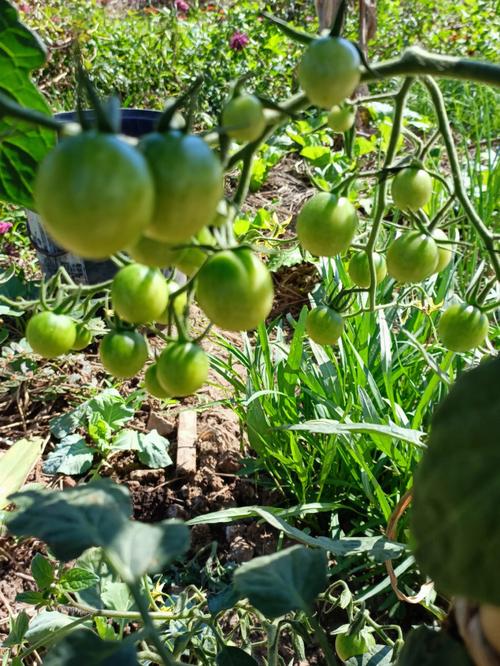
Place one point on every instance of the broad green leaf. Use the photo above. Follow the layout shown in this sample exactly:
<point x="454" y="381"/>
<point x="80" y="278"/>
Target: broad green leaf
<point x="31" y="597"/>
<point x="332" y="427"/>
<point x="116" y="596"/>
<point x="223" y="600"/>
<point x="152" y="448"/>
<point x="18" y="628"/>
<point x="112" y="407"/>
<point x="234" y="656"/>
<point x="428" y="647"/>
<point x="76" y="580"/>
<point x="139" y="548"/>
<point x="42" y="570"/>
<point x="44" y="626"/>
<point x="85" y="647"/>
<point x="72" y="455"/>
<point x="16" y="464"/>
<point x="285" y="581"/>
<point x="23" y="145"/>
<point x="72" y="520"/>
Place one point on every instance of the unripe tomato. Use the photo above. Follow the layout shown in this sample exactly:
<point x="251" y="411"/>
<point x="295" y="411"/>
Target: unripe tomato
<point x="341" y="118"/>
<point x="191" y="259"/>
<point x="445" y="252"/>
<point x="243" y="117"/>
<point x="324" y="325"/>
<point x="411" y="188"/>
<point x="188" y="185"/>
<point x="329" y="71"/>
<point x="95" y="194"/>
<point x="179" y="302"/>
<point x="412" y="257"/>
<point x="123" y="353"/>
<point x="462" y="327"/>
<point x="139" y="294"/>
<point x="182" y="368"/>
<point x="359" y="269"/>
<point x="354" y="645"/>
<point x="154" y="253"/>
<point x="326" y="225"/>
<point x="83" y="337"/>
<point x="50" y="334"/>
<point x="235" y="290"/>
<point x="152" y="385"/>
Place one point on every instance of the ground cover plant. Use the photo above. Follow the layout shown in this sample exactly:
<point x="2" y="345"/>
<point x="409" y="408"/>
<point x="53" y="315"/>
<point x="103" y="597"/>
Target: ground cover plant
<point x="308" y="261"/>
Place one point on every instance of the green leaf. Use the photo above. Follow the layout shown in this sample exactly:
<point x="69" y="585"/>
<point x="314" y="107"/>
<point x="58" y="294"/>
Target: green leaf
<point x="74" y="519"/>
<point x="233" y="656"/>
<point x="428" y="647"/>
<point x="332" y="427"/>
<point x="104" y="629"/>
<point x="142" y="548"/>
<point x="285" y="581"/>
<point x="153" y="450"/>
<point x="45" y="625"/>
<point x="223" y="600"/>
<point x="16" y="464"/>
<point x="23" y="145"/>
<point x="31" y="597"/>
<point x="18" y="628"/>
<point x="319" y="155"/>
<point x="85" y="647"/>
<point x="42" y="570"/>
<point x="76" y="580"/>
<point x="112" y="407"/>
<point x="72" y="455"/>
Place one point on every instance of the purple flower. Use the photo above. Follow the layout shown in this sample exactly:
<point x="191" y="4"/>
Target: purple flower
<point x="181" y="6"/>
<point x="238" y="41"/>
<point x="4" y="227"/>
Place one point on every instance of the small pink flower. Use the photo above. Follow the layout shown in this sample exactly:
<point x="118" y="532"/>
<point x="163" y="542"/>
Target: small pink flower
<point x="24" y="7"/>
<point x="181" y="6"/>
<point x="238" y="41"/>
<point x="4" y="227"/>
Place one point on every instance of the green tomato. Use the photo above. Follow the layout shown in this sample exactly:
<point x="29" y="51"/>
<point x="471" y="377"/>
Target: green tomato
<point x="50" y="334"/>
<point x="341" y="119"/>
<point x="243" y="117"/>
<point x="83" y="337"/>
<point x="235" y="290"/>
<point x="329" y="71"/>
<point x="324" y="325"/>
<point x="359" y="269"/>
<point x="139" y="294"/>
<point x="123" y="353"/>
<point x="95" y="194"/>
<point x="326" y="225"/>
<point x="354" y="645"/>
<point x="445" y="253"/>
<point x="153" y="253"/>
<point x="411" y="188"/>
<point x="188" y="180"/>
<point x="179" y="303"/>
<point x="462" y="327"/>
<point x="412" y="257"/>
<point x="152" y="385"/>
<point x="182" y="368"/>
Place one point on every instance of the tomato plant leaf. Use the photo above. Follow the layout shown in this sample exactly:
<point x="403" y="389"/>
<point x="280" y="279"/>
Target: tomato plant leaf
<point x="42" y="571"/>
<point x="74" y="519"/>
<point x="23" y="145"/>
<point x="76" y="579"/>
<point x="428" y="647"/>
<point x="233" y="656"/>
<point x="223" y="600"/>
<point x="142" y="548"/>
<point x="85" y="647"/>
<point x="72" y="455"/>
<point x="44" y="626"/>
<point x="18" y="628"/>
<point x="285" y="581"/>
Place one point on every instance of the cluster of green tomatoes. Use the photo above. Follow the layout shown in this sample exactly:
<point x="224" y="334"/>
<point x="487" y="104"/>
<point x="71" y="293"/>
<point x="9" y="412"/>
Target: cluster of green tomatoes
<point x="98" y="194"/>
